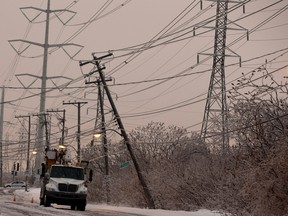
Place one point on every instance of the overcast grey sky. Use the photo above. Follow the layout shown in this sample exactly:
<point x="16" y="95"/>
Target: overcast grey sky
<point x="142" y="85"/>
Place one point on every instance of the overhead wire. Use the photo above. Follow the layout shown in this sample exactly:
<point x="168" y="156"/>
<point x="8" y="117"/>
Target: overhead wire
<point x="95" y="18"/>
<point x="230" y="44"/>
<point x="144" y="46"/>
<point x="184" y="103"/>
<point x="134" y="54"/>
<point x="84" y="26"/>
<point x="12" y="101"/>
<point x="154" y="80"/>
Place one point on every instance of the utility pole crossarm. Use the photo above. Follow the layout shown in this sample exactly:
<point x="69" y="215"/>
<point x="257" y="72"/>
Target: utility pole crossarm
<point x="46" y="11"/>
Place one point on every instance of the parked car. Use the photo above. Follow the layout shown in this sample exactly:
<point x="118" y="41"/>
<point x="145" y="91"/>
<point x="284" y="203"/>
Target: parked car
<point x="17" y="184"/>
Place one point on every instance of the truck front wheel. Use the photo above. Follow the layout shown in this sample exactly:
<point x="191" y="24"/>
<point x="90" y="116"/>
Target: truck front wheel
<point x="41" y="201"/>
<point x="81" y="206"/>
<point x="47" y="201"/>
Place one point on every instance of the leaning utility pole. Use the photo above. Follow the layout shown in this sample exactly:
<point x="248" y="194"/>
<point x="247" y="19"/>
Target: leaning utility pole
<point x="215" y="123"/>
<point x="79" y="105"/>
<point x="39" y="137"/>
<point x="96" y="61"/>
<point x="1" y="136"/>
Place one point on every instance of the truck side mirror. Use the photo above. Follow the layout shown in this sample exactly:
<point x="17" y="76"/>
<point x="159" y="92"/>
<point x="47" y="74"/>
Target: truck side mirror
<point x="90" y="175"/>
<point x="47" y="175"/>
<point x="43" y="170"/>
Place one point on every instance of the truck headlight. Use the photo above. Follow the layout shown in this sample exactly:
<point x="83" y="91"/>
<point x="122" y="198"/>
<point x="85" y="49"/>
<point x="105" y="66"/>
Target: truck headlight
<point x="51" y="186"/>
<point x="82" y="189"/>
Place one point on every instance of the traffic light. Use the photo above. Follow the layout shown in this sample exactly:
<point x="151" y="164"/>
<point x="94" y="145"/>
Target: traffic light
<point x="14" y="166"/>
<point x="13" y="172"/>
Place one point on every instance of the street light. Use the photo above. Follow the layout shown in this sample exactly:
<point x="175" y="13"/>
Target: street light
<point x="61" y="146"/>
<point x="98" y="134"/>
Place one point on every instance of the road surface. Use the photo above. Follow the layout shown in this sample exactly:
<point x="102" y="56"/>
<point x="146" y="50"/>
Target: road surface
<point x="13" y="206"/>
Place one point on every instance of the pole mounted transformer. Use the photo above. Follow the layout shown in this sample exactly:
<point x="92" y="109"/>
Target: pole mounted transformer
<point x="215" y="124"/>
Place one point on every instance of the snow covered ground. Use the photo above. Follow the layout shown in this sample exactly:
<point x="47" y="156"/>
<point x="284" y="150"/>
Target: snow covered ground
<point x="33" y="196"/>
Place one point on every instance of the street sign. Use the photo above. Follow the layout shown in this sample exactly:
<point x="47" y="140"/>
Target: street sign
<point x="123" y="165"/>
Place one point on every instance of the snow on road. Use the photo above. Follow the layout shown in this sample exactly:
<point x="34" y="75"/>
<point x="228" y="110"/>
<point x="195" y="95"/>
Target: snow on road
<point x="32" y="197"/>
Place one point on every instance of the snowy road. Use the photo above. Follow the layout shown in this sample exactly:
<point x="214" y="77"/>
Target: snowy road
<point x="11" y="205"/>
<point x="18" y="202"/>
<point x="23" y="209"/>
<point x="19" y="209"/>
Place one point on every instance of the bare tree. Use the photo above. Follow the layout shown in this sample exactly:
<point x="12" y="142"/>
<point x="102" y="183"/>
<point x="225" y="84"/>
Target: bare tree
<point x="260" y="116"/>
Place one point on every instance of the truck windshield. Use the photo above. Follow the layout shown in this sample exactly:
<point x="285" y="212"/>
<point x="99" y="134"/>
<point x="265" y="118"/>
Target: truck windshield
<point x="67" y="172"/>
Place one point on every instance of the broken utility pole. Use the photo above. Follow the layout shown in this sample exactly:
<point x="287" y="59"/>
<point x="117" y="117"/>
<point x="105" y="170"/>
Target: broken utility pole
<point x="96" y="61"/>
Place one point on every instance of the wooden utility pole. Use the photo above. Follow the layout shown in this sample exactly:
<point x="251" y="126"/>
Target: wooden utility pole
<point x="79" y="105"/>
<point x="147" y="194"/>
<point x="104" y="137"/>
<point x="62" y="120"/>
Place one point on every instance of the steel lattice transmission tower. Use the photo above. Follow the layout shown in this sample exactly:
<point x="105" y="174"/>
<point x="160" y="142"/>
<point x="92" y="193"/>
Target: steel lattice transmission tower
<point x="215" y="123"/>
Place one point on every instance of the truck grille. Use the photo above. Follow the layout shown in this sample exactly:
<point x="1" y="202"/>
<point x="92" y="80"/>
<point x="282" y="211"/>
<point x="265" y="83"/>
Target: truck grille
<point x="67" y="187"/>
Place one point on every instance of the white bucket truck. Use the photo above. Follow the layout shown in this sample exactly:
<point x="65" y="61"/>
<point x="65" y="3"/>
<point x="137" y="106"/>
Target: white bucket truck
<point x="63" y="183"/>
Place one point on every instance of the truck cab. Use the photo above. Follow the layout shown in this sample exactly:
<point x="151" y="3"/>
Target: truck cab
<point x="64" y="185"/>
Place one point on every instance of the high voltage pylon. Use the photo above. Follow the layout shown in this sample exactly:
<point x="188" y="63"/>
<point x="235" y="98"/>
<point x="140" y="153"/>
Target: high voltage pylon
<point x="40" y="138"/>
<point x="214" y="129"/>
